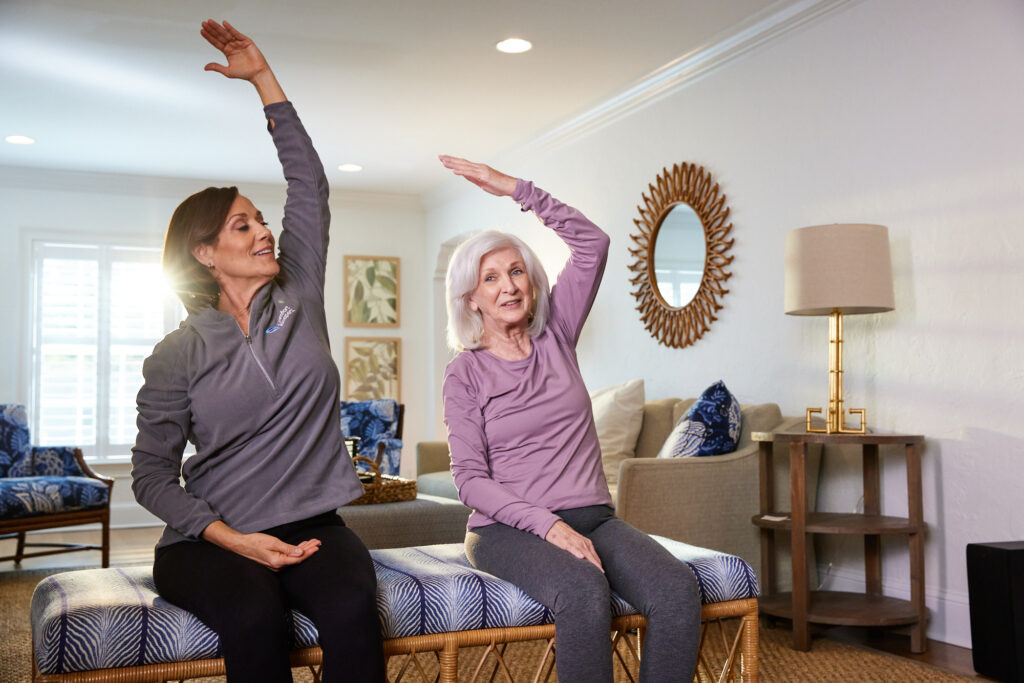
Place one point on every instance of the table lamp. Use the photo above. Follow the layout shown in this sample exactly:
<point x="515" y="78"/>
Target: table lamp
<point x="838" y="270"/>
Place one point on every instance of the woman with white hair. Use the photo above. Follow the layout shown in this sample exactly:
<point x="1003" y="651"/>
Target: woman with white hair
<point x="524" y="448"/>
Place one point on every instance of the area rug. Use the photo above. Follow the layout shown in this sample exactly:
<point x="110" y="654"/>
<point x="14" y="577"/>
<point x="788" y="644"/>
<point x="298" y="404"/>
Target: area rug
<point x="827" y="660"/>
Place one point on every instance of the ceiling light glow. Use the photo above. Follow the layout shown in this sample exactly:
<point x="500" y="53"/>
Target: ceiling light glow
<point x="514" y="45"/>
<point x="350" y="168"/>
<point x="19" y="140"/>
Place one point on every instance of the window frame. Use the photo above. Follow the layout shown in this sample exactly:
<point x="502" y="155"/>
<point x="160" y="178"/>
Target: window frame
<point x="101" y="450"/>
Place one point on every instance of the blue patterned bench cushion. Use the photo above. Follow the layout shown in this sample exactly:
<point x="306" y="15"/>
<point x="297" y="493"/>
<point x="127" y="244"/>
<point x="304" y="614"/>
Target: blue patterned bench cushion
<point x="113" y="618"/>
<point x="30" y="496"/>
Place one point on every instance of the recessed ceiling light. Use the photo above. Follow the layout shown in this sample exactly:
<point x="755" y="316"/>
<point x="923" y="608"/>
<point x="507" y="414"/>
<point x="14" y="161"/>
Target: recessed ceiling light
<point x="19" y="140"/>
<point x="350" y="168"/>
<point x="514" y="45"/>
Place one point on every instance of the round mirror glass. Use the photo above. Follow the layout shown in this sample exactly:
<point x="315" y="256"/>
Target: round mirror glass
<point x="679" y="252"/>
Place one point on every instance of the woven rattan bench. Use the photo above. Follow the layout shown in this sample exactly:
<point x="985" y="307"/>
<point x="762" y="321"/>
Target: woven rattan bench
<point x="110" y="625"/>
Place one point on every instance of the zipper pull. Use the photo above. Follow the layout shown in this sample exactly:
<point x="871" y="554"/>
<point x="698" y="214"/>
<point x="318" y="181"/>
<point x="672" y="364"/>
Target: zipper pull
<point x="248" y="340"/>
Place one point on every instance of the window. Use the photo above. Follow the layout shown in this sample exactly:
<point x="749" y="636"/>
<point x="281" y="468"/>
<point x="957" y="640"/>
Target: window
<point x="97" y="310"/>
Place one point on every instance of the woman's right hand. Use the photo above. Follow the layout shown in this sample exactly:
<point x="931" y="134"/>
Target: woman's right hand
<point x="481" y="175"/>
<point x="578" y="545"/>
<point x="245" y="60"/>
<point x="271" y="552"/>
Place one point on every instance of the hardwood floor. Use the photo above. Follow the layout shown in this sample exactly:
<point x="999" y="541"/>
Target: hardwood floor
<point x="135" y="546"/>
<point x="952" y="658"/>
<point x="127" y="547"/>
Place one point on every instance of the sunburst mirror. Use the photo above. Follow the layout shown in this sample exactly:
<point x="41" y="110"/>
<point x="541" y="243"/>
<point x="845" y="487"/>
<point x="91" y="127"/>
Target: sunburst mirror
<point x="681" y="255"/>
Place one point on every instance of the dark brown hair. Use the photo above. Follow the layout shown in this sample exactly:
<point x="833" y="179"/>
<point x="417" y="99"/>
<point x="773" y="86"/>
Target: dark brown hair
<point x="197" y="220"/>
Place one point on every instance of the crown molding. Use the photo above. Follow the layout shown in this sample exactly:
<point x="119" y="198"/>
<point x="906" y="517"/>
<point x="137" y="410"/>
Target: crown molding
<point x="769" y="25"/>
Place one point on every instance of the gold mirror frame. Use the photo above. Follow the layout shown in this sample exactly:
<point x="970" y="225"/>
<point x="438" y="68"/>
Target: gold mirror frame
<point x="679" y="327"/>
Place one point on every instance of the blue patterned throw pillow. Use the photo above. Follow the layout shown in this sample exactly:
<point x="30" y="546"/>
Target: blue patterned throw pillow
<point x="710" y="427"/>
<point x="374" y="422"/>
<point x="15" y="451"/>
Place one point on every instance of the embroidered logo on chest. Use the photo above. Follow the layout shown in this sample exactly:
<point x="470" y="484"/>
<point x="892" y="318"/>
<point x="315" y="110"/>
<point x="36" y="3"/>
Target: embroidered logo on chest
<point x="282" y="317"/>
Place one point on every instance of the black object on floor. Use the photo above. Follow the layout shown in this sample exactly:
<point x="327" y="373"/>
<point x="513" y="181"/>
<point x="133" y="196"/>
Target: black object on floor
<point x="995" y="584"/>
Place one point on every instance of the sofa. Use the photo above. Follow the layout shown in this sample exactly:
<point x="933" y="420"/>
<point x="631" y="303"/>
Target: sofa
<point x="704" y="501"/>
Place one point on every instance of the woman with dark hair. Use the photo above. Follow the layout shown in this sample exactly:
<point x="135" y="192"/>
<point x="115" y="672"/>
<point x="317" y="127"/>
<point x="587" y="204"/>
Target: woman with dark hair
<point x="524" y="447"/>
<point x="249" y="379"/>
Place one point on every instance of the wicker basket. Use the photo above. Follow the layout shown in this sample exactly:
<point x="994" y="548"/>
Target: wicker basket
<point x="383" y="488"/>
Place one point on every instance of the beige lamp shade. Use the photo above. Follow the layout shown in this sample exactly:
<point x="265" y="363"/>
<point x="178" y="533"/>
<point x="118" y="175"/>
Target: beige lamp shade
<point x="843" y="266"/>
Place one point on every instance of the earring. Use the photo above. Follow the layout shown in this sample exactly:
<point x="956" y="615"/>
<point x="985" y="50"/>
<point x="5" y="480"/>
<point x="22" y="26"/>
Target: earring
<point x="210" y="266"/>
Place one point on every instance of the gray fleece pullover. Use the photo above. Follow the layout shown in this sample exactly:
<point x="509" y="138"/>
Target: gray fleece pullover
<point x="263" y="410"/>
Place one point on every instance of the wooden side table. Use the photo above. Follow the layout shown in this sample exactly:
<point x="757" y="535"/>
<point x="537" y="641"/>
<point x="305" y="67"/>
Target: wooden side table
<point x="870" y="608"/>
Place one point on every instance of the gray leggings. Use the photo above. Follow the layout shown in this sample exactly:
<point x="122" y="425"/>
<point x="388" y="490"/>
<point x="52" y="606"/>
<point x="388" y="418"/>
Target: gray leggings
<point x="636" y="567"/>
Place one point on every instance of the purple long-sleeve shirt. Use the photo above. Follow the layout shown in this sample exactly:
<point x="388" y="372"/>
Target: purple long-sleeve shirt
<point x="521" y="433"/>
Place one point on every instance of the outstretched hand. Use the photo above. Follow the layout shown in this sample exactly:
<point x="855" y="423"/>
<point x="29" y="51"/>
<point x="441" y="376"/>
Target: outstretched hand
<point x="245" y="61"/>
<point x="481" y="175"/>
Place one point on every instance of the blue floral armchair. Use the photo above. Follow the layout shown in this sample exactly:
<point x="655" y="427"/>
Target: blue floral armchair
<point x="47" y="487"/>
<point x="375" y="422"/>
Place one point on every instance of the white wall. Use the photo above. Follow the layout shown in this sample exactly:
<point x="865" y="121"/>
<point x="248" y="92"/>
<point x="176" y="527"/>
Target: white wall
<point x="903" y="113"/>
<point x="95" y="204"/>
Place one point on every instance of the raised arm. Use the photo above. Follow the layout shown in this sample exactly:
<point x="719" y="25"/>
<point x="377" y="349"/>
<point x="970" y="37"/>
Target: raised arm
<point x="574" y="291"/>
<point x="577" y="285"/>
<point x="307" y="218"/>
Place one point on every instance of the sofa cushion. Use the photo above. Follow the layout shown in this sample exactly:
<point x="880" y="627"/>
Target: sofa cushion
<point x="30" y="496"/>
<point x="437" y="484"/>
<point x="710" y="427"/>
<point x="618" y="416"/>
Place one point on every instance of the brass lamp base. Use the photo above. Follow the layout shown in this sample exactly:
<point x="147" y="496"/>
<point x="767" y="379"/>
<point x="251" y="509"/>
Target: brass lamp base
<point x="835" y="419"/>
<point x="835" y="423"/>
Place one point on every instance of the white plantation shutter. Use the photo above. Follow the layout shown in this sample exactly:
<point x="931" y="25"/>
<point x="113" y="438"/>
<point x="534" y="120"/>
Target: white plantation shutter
<point x="98" y="310"/>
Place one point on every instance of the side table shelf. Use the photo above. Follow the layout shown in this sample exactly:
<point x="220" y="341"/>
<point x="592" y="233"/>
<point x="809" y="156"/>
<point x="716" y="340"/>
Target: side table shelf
<point x="871" y="608"/>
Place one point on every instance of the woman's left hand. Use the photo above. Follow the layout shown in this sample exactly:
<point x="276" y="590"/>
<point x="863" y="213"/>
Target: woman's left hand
<point x="481" y="175"/>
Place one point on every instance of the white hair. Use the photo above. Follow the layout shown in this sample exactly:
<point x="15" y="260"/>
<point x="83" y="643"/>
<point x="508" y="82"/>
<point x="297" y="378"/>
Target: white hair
<point x="466" y="326"/>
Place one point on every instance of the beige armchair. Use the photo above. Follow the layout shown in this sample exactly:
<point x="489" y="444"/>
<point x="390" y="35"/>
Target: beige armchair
<point x="708" y="501"/>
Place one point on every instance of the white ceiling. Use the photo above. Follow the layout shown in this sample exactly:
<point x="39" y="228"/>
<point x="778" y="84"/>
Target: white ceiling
<point x="118" y="85"/>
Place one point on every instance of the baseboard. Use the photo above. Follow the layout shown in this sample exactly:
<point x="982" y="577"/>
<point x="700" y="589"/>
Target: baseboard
<point x="950" y="620"/>
<point x="128" y="515"/>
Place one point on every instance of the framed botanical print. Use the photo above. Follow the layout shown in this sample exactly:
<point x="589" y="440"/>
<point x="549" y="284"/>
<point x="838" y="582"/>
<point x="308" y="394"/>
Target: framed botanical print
<point x="373" y="368"/>
<point x="371" y="291"/>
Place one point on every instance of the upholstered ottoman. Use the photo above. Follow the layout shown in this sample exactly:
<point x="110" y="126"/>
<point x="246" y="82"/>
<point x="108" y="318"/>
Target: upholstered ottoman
<point x="109" y="624"/>
<point x="427" y="520"/>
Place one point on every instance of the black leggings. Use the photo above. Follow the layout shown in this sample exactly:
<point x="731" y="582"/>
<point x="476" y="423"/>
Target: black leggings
<point x="636" y="567"/>
<point x="247" y="604"/>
